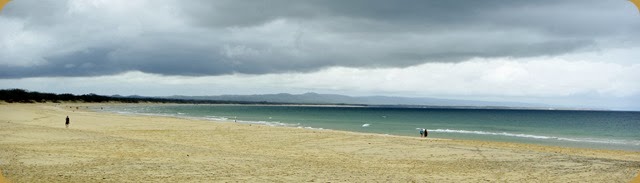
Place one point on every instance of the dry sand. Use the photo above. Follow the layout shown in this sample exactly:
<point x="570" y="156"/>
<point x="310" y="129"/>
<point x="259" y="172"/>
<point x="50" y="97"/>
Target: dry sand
<point x="35" y="146"/>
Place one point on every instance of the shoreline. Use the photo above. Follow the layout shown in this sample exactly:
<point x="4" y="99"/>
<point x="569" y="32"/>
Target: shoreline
<point x="503" y="144"/>
<point x="274" y="154"/>
<point x="572" y="142"/>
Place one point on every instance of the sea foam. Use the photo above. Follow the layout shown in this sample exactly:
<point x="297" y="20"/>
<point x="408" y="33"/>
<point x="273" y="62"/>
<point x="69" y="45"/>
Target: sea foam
<point x="520" y="135"/>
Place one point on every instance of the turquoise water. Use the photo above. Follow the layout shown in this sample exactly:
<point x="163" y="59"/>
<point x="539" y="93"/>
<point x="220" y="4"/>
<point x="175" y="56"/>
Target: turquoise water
<point x="591" y="129"/>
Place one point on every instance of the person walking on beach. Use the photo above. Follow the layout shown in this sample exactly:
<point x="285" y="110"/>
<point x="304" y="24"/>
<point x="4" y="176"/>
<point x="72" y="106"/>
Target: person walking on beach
<point x="67" y="122"/>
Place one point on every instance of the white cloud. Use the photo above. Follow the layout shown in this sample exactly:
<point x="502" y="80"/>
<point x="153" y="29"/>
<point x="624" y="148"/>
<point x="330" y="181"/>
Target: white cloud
<point x="533" y="77"/>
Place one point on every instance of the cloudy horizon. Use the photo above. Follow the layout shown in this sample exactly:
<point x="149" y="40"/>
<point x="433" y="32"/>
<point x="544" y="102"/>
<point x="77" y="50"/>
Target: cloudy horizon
<point x="566" y="53"/>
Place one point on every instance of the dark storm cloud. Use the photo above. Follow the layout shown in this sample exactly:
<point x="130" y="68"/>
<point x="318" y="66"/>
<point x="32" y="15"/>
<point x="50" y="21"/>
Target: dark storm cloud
<point x="201" y="37"/>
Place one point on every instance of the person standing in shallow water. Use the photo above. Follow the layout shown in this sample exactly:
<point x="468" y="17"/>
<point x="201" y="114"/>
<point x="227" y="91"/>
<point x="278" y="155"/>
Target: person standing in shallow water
<point x="424" y="133"/>
<point x="67" y="122"/>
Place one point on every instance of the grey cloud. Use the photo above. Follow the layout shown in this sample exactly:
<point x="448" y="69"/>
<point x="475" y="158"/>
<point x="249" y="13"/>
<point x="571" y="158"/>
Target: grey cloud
<point x="202" y="37"/>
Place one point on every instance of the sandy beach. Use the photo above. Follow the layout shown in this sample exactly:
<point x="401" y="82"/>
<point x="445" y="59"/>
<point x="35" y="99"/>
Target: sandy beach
<point x="35" y="146"/>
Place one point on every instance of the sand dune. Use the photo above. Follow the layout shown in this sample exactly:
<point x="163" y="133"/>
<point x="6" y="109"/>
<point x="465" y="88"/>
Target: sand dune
<point x="35" y="146"/>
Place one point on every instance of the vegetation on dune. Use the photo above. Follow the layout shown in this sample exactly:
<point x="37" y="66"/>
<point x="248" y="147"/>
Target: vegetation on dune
<point x="25" y="96"/>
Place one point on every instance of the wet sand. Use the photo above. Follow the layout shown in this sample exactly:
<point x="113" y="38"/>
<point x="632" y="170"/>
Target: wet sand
<point x="35" y="146"/>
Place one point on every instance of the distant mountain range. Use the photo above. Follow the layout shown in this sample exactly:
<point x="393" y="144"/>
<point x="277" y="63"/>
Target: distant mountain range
<point x="315" y="98"/>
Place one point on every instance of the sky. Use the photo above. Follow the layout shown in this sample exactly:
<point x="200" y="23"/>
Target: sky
<point x="559" y="52"/>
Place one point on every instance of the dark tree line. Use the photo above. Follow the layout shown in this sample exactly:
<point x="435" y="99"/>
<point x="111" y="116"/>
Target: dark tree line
<point x="25" y="96"/>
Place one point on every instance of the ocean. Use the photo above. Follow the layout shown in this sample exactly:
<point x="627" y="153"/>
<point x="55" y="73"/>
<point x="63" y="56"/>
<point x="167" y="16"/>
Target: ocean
<point x="616" y="130"/>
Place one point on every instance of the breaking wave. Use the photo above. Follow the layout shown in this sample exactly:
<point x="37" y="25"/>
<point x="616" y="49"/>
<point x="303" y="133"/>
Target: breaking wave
<point x="520" y="135"/>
